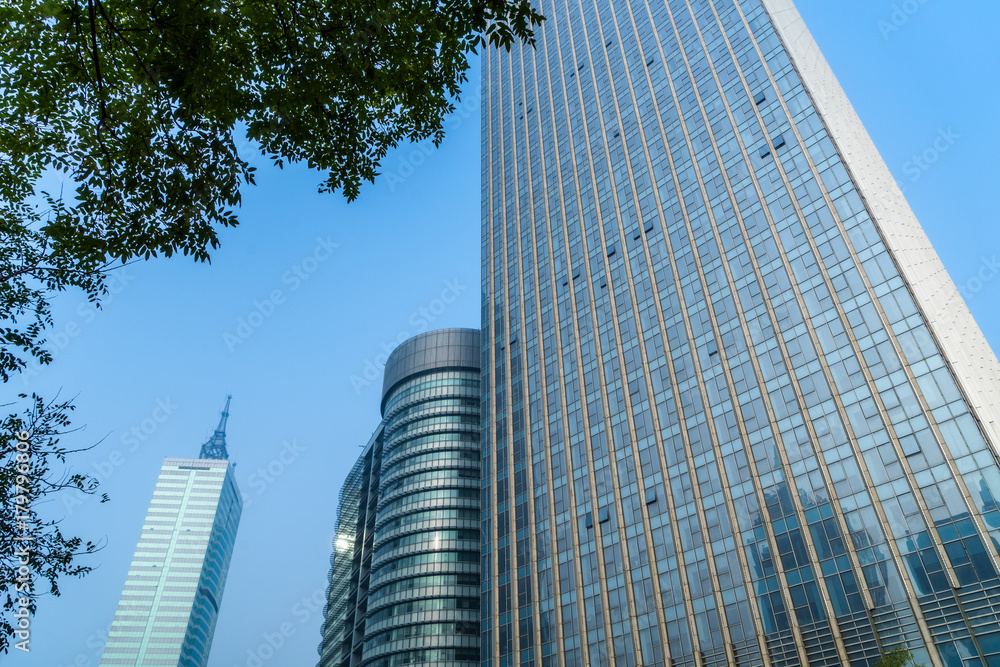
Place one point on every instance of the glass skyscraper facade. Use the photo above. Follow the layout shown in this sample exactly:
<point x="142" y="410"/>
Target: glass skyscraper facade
<point x="170" y="603"/>
<point x="404" y="577"/>
<point x="734" y="410"/>
<point x="351" y="555"/>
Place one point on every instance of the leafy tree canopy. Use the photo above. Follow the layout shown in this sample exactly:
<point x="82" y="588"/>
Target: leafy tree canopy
<point x="34" y="552"/>
<point x="140" y="104"/>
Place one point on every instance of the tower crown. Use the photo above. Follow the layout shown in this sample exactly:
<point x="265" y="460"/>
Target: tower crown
<point x="215" y="448"/>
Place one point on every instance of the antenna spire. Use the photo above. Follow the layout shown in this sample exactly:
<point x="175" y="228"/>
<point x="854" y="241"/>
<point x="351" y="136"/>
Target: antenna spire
<point x="215" y="448"/>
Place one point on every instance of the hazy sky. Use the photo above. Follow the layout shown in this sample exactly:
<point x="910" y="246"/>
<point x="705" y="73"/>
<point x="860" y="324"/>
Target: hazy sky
<point x="337" y="285"/>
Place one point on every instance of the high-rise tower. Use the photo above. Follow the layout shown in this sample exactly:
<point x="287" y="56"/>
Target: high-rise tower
<point x="735" y="411"/>
<point x="171" y="599"/>
<point x="404" y="576"/>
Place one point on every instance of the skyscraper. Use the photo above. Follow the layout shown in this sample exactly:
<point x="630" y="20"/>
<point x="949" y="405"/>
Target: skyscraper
<point x="735" y="411"/>
<point x="170" y="603"/>
<point x="404" y="576"/>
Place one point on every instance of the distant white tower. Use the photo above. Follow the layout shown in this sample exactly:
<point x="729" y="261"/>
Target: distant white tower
<point x="170" y="603"/>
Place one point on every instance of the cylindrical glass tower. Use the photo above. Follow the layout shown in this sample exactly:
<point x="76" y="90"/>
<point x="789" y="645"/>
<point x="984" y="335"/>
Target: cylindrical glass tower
<point x="423" y="596"/>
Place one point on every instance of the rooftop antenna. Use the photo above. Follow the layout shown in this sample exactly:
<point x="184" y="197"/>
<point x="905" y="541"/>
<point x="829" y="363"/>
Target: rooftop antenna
<point x="215" y="448"/>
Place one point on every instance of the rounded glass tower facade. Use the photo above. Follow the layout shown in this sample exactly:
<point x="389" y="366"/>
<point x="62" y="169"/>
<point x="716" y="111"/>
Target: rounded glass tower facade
<point x="423" y="596"/>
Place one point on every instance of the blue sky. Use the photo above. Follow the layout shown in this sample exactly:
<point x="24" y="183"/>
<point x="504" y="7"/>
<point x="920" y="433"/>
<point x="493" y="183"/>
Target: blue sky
<point x="324" y="289"/>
